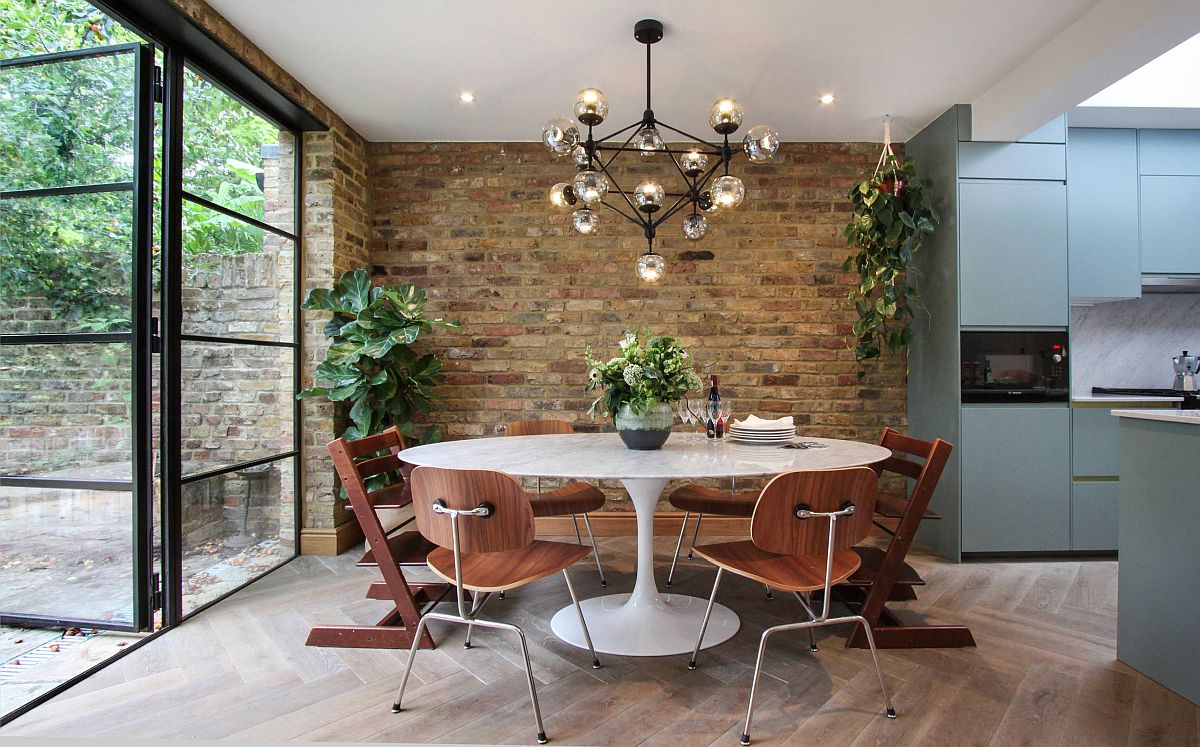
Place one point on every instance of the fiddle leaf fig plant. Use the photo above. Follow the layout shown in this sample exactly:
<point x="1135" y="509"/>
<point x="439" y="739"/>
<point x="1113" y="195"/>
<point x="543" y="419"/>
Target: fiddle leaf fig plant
<point x="370" y="363"/>
<point x="892" y="217"/>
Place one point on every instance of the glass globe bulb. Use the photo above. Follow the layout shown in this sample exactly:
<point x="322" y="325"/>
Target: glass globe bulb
<point x="728" y="192"/>
<point x="725" y="116"/>
<point x="761" y="143"/>
<point x="648" y="197"/>
<point x="560" y="136"/>
<point x="648" y="141"/>
<point x="706" y="202"/>
<point x="694" y="163"/>
<point x="651" y="267"/>
<point x="585" y="221"/>
<point x="562" y="196"/>
<point x="590" y="186"/>
<point x="580" y="156"/>
<point x="591" y="106"/>
<point x="694" y="227"/>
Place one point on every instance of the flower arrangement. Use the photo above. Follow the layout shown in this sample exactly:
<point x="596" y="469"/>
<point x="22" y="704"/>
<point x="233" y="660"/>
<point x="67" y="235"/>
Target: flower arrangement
<point x="650" y="370"/>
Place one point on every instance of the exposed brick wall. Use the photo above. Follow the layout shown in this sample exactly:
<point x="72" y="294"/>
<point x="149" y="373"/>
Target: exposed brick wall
<point x="471" y="223"/>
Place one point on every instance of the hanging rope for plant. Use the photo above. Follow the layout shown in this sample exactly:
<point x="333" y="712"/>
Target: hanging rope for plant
<point x="891" y="219"/>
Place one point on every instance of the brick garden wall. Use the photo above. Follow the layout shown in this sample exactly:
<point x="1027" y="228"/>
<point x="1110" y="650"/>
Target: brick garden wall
<point x="760" y="301"/>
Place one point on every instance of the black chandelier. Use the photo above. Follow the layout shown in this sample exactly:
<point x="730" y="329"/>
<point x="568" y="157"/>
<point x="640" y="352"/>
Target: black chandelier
<point x="697" y="163"/>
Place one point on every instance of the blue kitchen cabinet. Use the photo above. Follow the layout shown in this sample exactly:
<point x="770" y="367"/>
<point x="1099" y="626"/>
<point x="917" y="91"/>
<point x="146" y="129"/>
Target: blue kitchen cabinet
<point x="1054" y="131"/>
<point x="1095" y="442"/>
<point x="1102" y="214"/>
<point x="1170" y="241"/>
<point x="1012" y="253"/>
<point x="1016" y="478"/>
<point x="1095" y="515"/>
<point x="1169" y="152"/>
<point x="1042" y="161"/>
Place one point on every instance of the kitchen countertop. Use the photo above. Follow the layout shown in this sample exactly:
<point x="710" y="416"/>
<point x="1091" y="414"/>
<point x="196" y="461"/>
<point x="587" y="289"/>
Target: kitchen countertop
<point x="1187" y="417"/>
<point x="1122" y="398"/>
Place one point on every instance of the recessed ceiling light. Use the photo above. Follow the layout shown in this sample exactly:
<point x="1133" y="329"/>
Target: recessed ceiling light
<point x="466" y="97"/>
<point x="827" y="98"/>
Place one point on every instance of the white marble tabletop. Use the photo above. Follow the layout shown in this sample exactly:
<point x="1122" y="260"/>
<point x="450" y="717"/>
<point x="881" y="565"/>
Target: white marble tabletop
<point x="1123" y="398"/>
<point x="1187" y="417"/>
<point x="602" y="456"/>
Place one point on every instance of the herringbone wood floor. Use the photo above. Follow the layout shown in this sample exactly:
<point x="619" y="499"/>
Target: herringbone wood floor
<point x="1045" y="671"/>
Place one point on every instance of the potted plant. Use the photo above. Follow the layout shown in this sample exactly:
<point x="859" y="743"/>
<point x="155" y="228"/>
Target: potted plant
<point x="892" y="217"/>
<point x="371" y="363"/>
<point x="640" y="386"/>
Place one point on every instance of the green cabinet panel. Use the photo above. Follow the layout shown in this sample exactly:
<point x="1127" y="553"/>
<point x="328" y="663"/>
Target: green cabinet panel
<point x="1016" y="478"/>
<point x="1013" y="253"/>
<point x="1095" y="442"/>
<point x="1012" y="161"/>
<point x="1169" y="152"/>
<point x="1169" y="239"/>
<point x="1102" y="214"/>
<point x="1095" y="513"/>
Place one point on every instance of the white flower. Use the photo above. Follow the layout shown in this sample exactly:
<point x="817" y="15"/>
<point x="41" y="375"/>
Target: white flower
<point x="633" y="374"/>
<point x="630" y="339"/>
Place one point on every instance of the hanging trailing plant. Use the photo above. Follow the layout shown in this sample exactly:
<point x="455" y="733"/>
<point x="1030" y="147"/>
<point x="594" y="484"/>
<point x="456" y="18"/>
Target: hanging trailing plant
<point x="892" y="217"/>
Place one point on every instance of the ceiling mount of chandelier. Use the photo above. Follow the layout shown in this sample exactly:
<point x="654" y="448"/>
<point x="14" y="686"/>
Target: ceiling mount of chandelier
<point x="699" y="166"/>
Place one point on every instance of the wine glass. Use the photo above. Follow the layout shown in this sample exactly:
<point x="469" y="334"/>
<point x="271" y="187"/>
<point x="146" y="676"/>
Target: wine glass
<point x="726" y="411"/>
<point x="685" y="411"/>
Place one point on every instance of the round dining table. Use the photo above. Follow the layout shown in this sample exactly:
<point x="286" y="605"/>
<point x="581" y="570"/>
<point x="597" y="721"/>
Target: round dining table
<point x="643" y="622"/>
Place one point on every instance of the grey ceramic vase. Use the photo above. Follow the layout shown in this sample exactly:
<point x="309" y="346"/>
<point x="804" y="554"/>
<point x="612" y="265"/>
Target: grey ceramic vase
<point x="646" y="430"/>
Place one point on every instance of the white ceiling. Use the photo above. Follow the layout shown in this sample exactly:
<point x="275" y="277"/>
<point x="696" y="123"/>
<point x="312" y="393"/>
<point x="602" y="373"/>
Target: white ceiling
<point x="394" y="69"/>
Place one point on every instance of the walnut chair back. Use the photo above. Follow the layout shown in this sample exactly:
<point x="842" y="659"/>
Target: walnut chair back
<point x="538" y="428"/>
<point x="779" y="524"/>
<point x="933" y="456"/>
<point x="503" y="519"/>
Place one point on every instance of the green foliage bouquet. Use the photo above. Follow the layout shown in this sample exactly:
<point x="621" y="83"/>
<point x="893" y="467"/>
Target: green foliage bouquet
<point x="649" y="370"/>
<point x="370" y="362"/>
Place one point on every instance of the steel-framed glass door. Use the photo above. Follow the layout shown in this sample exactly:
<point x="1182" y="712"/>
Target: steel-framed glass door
<point x="76" y="399"/>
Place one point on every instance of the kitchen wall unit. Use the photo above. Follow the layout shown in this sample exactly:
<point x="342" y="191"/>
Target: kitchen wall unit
<point x="1102" y="215"/>
<point x="1169" y="239"/>
<point x="1169" y="152"/>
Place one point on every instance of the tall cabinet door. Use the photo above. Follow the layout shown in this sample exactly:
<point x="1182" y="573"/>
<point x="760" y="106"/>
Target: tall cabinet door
<point x="1013" y="244"/>
<point x="1016" y="479"/>
<point x="1102" y="174"/>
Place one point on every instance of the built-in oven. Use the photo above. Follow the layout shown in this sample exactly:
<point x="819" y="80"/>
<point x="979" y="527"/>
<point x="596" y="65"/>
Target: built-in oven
<point x="1015" y="366"/>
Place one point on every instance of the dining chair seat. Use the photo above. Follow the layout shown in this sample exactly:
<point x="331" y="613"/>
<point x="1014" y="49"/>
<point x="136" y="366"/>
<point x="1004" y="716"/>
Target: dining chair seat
<point x="700" y="499"/>
<point x="499" y="571"/>
<point x="572" y="498"/>
<point x="787" y="572"/>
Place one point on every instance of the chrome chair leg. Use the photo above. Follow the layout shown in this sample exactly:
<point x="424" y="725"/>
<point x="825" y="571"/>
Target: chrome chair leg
<point x="582" y="623"/>
<point x="575" y="523"/>
<point x="770" y="594"/>
<point x="806" y="602"/>
<point x="678" y="545"/>
<point x="595" y="550"/>
<point x="887" y="699"/>
<point x="695" y="534"/>
<point x="475" y="608"/>
<point x="712" y="599"/>
<point x="537" y="711"/>
<point x="758" y="665"/>
<point x="412" y="655"/>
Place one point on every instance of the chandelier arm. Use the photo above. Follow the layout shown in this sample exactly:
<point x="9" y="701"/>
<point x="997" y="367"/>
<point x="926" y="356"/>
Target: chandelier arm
<point x="624" y="214"/>
<point x="679" y="204"/>
<point x="623" y="147"/>
<point x="611" y="135"/>
<point x="714" y="146"/>
<point x="702" y="181"/>
<point x="687" y="180"/>
<point x="604" y="168"/>
<point x="716" y="152"/>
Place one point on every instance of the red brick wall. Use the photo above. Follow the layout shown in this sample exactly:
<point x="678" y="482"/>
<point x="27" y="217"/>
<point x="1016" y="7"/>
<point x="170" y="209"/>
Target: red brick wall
<point x="768" y="313"/>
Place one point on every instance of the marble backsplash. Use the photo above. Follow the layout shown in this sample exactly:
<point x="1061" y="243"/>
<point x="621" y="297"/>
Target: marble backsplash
<point x="1131" y="343"/>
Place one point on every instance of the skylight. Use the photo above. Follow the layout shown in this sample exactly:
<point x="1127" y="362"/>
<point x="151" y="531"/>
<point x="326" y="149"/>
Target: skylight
<point x="1168" y="81"/>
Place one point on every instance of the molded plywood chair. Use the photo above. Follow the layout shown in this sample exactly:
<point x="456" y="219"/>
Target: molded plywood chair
<point x="801" y="538"/>
<point x="572" y="499"/>
<point x="482" y="525"/>
<point x="701" y="500"/>
<point x="355" y="462"/>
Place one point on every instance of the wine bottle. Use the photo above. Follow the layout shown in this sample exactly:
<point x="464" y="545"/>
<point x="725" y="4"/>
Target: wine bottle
<point x="714" y="409"/>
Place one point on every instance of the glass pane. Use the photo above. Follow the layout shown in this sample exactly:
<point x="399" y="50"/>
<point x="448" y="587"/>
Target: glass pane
<point x="33" y="27"/>
<point x="235" y="528"/>
<point x="238" y="280"/>
<point x="64" y="411"/>
<point x="66" y="263"/>
<point x="67" y="123"/>
<point x="68" y="554"/>
<point x="234" y="157"/>
<point x="237" y="404"/>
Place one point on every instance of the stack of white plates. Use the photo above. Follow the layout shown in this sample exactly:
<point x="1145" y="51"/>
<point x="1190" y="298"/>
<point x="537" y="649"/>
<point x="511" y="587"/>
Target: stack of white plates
<point x="772" y="436"/>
